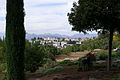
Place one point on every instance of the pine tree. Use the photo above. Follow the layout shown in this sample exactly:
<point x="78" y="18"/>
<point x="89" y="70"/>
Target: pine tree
<point x="15" y="40"/>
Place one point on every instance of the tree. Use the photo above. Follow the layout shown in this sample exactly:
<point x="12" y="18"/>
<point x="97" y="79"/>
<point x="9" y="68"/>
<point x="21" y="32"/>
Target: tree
<point x="33" y="56"/>
<point x="2" y="51"/>
<point x="89" y="15"/>
<point x="15" y="39"/>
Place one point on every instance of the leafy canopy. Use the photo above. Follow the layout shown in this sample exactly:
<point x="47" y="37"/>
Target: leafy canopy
<point x="89" y="15"/>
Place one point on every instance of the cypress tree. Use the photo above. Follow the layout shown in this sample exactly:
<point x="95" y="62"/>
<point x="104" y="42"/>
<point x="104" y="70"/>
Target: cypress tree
<point x="15" y="40"/>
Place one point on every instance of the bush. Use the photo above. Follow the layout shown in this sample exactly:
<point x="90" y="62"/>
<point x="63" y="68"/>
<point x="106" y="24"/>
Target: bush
<point x="101" y="55"/>
<point x="76" y="62"/>
<point x="50" y="70"/>
<point x="66" y="62"/>
<point x="114" y="54"/>
<point x="48" y="63"/>
<point x="3" y="71"/>
<point x="67" y="50"/>
<point x="117" y="77"/>
<point x="33" y="57"/>
<point x="36" y="55"/>
<point x="59" y="51"/>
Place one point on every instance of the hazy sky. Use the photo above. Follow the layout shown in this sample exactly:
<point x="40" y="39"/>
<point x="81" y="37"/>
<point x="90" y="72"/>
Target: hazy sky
<point x="43" y="16"/>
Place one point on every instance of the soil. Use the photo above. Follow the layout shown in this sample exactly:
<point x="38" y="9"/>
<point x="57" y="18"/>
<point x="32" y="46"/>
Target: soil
<point x="72" y="74"/>
<point x="72" y="56"/>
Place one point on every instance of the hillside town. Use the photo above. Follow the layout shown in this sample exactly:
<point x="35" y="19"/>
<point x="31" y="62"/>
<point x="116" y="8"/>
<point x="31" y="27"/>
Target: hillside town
<point x="58" y="42"/>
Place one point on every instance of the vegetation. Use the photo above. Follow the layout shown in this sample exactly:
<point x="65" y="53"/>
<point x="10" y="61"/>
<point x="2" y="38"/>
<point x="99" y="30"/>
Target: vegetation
<point x="16" y="57"/>
<point x="98" y="43"/>
<point x="50" y="70"/>
<point x="37" y="55"/>
<point x="2" y="51"/>
<point x="66" y="62"/>
<point x="117" y="77"/>
<point x="15" y="39"/>
<point x="89" y="15"/>
<point x="43" y="56"/>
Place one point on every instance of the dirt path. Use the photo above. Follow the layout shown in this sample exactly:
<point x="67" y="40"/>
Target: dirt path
<point x="73" y="56"/>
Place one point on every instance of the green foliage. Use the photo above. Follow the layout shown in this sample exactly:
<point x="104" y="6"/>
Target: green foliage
<point x="3" y="71"/>
<point x="36" y="55"/>
<point x="115" y="54"/>
<point x="66" y="62"/>
<point x="15" y="39"/>
<point x="67" y="50"/>
<point x="116" y="44"/>
<point x="88" y="15"/>
<point x="101" y="55"/>
<point x="59" y="51"/>
<point x="75" y="48"/>
<point x="118" y="53"/>
<point x="50" y="70"/>
<point x="97" y="43"/>
<point x="48" y="63"/>
<point x="117" y="77"/>
<point x="71" y="42"/>
<point x="92" y="44"/>
<point x="50" y="51"/>
<point x="2" y="51"/>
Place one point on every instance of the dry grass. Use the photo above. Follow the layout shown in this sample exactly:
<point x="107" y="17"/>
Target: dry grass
<point x="73" y="56"/>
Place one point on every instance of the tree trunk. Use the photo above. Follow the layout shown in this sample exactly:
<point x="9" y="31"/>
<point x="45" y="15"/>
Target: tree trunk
<point x="15" y="40"/>
<point x="110" y="50"/>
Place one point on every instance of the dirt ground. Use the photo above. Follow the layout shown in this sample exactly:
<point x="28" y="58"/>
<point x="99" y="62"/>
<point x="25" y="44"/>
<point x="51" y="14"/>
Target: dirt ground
<point x="73" y="74"/>
<point x="73" y="56"/>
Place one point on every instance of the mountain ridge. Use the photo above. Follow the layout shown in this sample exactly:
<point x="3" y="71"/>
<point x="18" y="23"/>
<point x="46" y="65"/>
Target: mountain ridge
<point x="30" y="36"/>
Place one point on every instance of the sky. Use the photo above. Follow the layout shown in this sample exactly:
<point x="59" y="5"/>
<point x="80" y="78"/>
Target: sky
<point x="43" y="16"/>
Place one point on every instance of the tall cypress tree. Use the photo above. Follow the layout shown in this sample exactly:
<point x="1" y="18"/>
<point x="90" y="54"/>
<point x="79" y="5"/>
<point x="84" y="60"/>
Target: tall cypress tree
<point x="15" y="39"/>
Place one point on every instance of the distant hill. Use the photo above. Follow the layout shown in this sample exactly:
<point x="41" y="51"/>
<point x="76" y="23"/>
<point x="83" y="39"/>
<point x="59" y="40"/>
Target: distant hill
<point x="30" y="36"/>
<point x="84" y="35"/>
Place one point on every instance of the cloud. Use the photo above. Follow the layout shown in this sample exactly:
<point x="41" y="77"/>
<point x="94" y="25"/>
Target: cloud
<point x="43" y="16"/>
<point x="50" y="4"/>
<point x="2" y="26"/>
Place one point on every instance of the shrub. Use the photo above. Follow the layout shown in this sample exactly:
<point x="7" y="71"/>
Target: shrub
<point x="101" y="55"/>
<point x="48" y="63"/>
<point x="33" y="57"/>
<point x="50" y="70"/>
<point x="3" y="71"/>
<point x="66" y="62"/>
<point x="117" y="77"/>
<point x="36" y="55"/>
<point x="114" y="54"/>
<point x="59" y="51"/>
